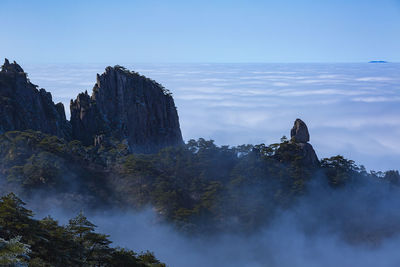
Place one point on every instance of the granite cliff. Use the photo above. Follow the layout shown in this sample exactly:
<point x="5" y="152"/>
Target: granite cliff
<point x="129" y="107"/>
<point x="23" y="106"/>
<point x="124" y="106"/>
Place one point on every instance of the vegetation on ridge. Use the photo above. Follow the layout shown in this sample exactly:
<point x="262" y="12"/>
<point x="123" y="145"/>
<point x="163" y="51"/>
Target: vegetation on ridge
<point x="199" y="186"/>
<point x="28" y="242"/>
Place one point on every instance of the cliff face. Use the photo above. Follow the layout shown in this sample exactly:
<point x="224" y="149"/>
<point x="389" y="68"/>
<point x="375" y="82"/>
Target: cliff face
<point x="86" y="120"/>
<point x="23" y="106"/>
<point x="124" y="105"/>
<point x="127" y="106"/>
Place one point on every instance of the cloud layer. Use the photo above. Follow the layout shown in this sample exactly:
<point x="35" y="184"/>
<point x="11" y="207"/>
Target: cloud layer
<point x="351" y="109"/>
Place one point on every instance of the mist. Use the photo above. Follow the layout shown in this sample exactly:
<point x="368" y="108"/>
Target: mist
<point x="357" y="225"/>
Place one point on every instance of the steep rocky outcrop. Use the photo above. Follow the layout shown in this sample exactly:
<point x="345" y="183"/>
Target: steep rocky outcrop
<point x="297" y="149"/>
<point x="124" y="106"/>
<point x="299" y="132"/>
<point x="86" y="120"/>
<point x="23" y="106"/>
<point x="127" y="106"/>
<point x="300" y="137"/>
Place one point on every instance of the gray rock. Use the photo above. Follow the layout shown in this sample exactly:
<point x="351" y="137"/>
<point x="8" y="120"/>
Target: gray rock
<point x="86" y="120"/>
<point x="127" y="106"/>
<point x="124" y="106"/>
<point x="11" y="68"/>
<point x="23" y="106"/>
<point x="300" y="137"/>
<point x="309" y="156"/>
<point x="299" y="132"/>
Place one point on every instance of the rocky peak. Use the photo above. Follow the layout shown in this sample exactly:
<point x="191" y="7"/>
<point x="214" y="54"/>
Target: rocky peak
<point x="299" y="132"/>
<point x="124" y="106"/>
<point x="300" y="137"/>
<point x="86" y="121"/>
<point x="127" y="106"/>
<point x="11" y="68"/>
<point x="23" y="106"/>
<point x="298" y="147"/>
<point x="81" y="102"/>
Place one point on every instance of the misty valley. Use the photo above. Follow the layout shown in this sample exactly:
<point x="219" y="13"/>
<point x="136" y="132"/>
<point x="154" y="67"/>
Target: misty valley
<point x="116" y="185"/>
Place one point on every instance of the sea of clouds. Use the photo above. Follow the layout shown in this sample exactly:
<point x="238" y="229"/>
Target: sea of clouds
<point x="350" y="109"/>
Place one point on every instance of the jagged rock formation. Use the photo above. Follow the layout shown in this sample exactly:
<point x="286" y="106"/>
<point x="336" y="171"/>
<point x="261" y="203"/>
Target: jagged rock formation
<point x="124" y="106"/>
<point x="23" y="106"/>
<point x="300" y="137"/>
<point x="127" y="106"/>
<point x="86" y="120"/>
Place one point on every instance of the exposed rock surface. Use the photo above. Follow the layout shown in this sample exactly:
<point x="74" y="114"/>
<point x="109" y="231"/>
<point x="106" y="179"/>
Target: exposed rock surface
<point x="124" y="106"/>
<point x="308" y="154"/>
<point x="300" y="136"/>
<point x="299" y="132"/>
<point x="127" y="106"/>
<point x="23" y="106"/>
<point x="86" y="120"/>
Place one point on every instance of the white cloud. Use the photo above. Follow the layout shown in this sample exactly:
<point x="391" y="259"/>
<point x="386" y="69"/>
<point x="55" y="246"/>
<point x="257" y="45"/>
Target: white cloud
<point x="372" y="99"/>
<point x="349" y="110"/>
<point x="373" y="79"/>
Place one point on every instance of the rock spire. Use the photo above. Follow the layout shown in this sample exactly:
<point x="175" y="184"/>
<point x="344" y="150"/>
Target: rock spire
<point x="299" y="132"/>
<point x="300" y="137"/>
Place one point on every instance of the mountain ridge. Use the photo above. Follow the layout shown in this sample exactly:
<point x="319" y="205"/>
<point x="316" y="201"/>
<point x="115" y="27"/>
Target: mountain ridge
<point x="24" y="106"/>
<point x="124" y="105"/>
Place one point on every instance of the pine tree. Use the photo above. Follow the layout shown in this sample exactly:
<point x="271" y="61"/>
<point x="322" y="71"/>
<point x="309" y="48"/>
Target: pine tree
<point x="15" y="219"/>
<point x="60" y="250"/>
<point x="13" y="252"/>
<point x="94" y="247"/>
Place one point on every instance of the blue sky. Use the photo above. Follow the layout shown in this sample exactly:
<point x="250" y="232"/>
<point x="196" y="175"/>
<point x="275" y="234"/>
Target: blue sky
<point x="200" y="31"/>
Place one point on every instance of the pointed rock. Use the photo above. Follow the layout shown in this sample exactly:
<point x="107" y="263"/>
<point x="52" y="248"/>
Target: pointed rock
<point x="300" y="136"/>
<point x="11" y="68"/>
<point x="298" y="147"/>
<point x="299" y="132"/>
